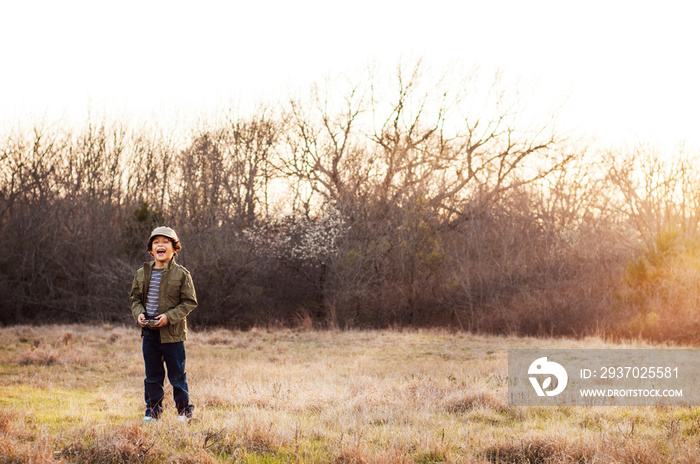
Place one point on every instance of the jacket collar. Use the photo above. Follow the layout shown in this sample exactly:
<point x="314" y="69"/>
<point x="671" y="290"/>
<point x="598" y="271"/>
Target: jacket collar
<point x="168" y="265"/>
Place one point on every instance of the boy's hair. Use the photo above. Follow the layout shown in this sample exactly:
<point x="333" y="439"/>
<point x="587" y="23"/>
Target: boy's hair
<point x="168" y="233"/>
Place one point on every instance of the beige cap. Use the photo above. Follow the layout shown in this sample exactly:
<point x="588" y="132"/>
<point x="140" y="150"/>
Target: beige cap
<point x="165" y="232"/>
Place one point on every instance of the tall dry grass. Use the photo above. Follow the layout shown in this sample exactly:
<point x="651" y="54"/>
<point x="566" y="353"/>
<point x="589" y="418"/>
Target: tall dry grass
<point x="74" y="394"/>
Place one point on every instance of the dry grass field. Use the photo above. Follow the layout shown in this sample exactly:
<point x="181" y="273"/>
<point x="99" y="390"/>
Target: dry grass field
<point x="74" y="394"/>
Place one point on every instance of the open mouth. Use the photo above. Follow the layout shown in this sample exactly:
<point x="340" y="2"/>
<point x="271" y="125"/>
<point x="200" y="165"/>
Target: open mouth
<point x="160" y="252"/>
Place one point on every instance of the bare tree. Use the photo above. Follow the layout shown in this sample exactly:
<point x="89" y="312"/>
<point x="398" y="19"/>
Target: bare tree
<point x="249" y="146"/>
<point x="325" y="155"/>
<point x="148" y="168"/>
<point x="655" y="193"/>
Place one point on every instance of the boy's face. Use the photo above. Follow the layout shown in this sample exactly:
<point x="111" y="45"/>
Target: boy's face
<point x="162" y="250"/>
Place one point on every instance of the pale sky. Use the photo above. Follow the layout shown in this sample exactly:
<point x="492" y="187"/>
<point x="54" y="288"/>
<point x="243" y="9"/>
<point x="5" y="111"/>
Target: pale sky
<point x="630" y="69"/>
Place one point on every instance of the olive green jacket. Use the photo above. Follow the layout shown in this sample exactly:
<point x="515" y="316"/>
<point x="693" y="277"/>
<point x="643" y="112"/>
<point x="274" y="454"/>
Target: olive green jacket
<point x="176" y="299"/>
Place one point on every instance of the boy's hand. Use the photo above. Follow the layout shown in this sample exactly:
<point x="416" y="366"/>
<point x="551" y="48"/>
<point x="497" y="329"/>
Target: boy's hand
<point x="162" y="320"/>
<point x="142" y="320"/>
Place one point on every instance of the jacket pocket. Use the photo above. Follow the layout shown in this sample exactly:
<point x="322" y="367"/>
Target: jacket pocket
<point x="172" y="292"/>
<point x="178" y="331"/>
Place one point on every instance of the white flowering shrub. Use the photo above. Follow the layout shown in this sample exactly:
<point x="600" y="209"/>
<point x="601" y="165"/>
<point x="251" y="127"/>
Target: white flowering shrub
<point x="299" y="239"/>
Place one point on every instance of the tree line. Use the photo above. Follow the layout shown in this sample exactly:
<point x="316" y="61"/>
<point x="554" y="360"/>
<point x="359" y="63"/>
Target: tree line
<point x="385" y="201"/>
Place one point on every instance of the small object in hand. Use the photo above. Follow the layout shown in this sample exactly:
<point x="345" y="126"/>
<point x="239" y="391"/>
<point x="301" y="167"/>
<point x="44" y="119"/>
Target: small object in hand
<point x="151" y="322"/>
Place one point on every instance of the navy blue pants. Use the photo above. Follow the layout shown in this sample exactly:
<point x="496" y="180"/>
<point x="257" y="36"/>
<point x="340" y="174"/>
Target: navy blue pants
<point x="157" y="357"/>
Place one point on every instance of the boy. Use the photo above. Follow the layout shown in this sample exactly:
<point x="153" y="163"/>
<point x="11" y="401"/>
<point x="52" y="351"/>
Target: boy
<point x="162" y="295"/>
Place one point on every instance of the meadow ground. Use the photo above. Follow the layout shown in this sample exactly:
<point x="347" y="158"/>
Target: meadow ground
<point x="74" y="394"/>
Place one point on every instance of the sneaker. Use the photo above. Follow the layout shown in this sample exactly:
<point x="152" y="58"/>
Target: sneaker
<point x="183" y="419"/>
<point x="149" y="420"/>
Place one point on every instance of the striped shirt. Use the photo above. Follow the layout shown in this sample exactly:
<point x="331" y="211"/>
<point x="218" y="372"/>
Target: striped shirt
<point x="153" y="291"/>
